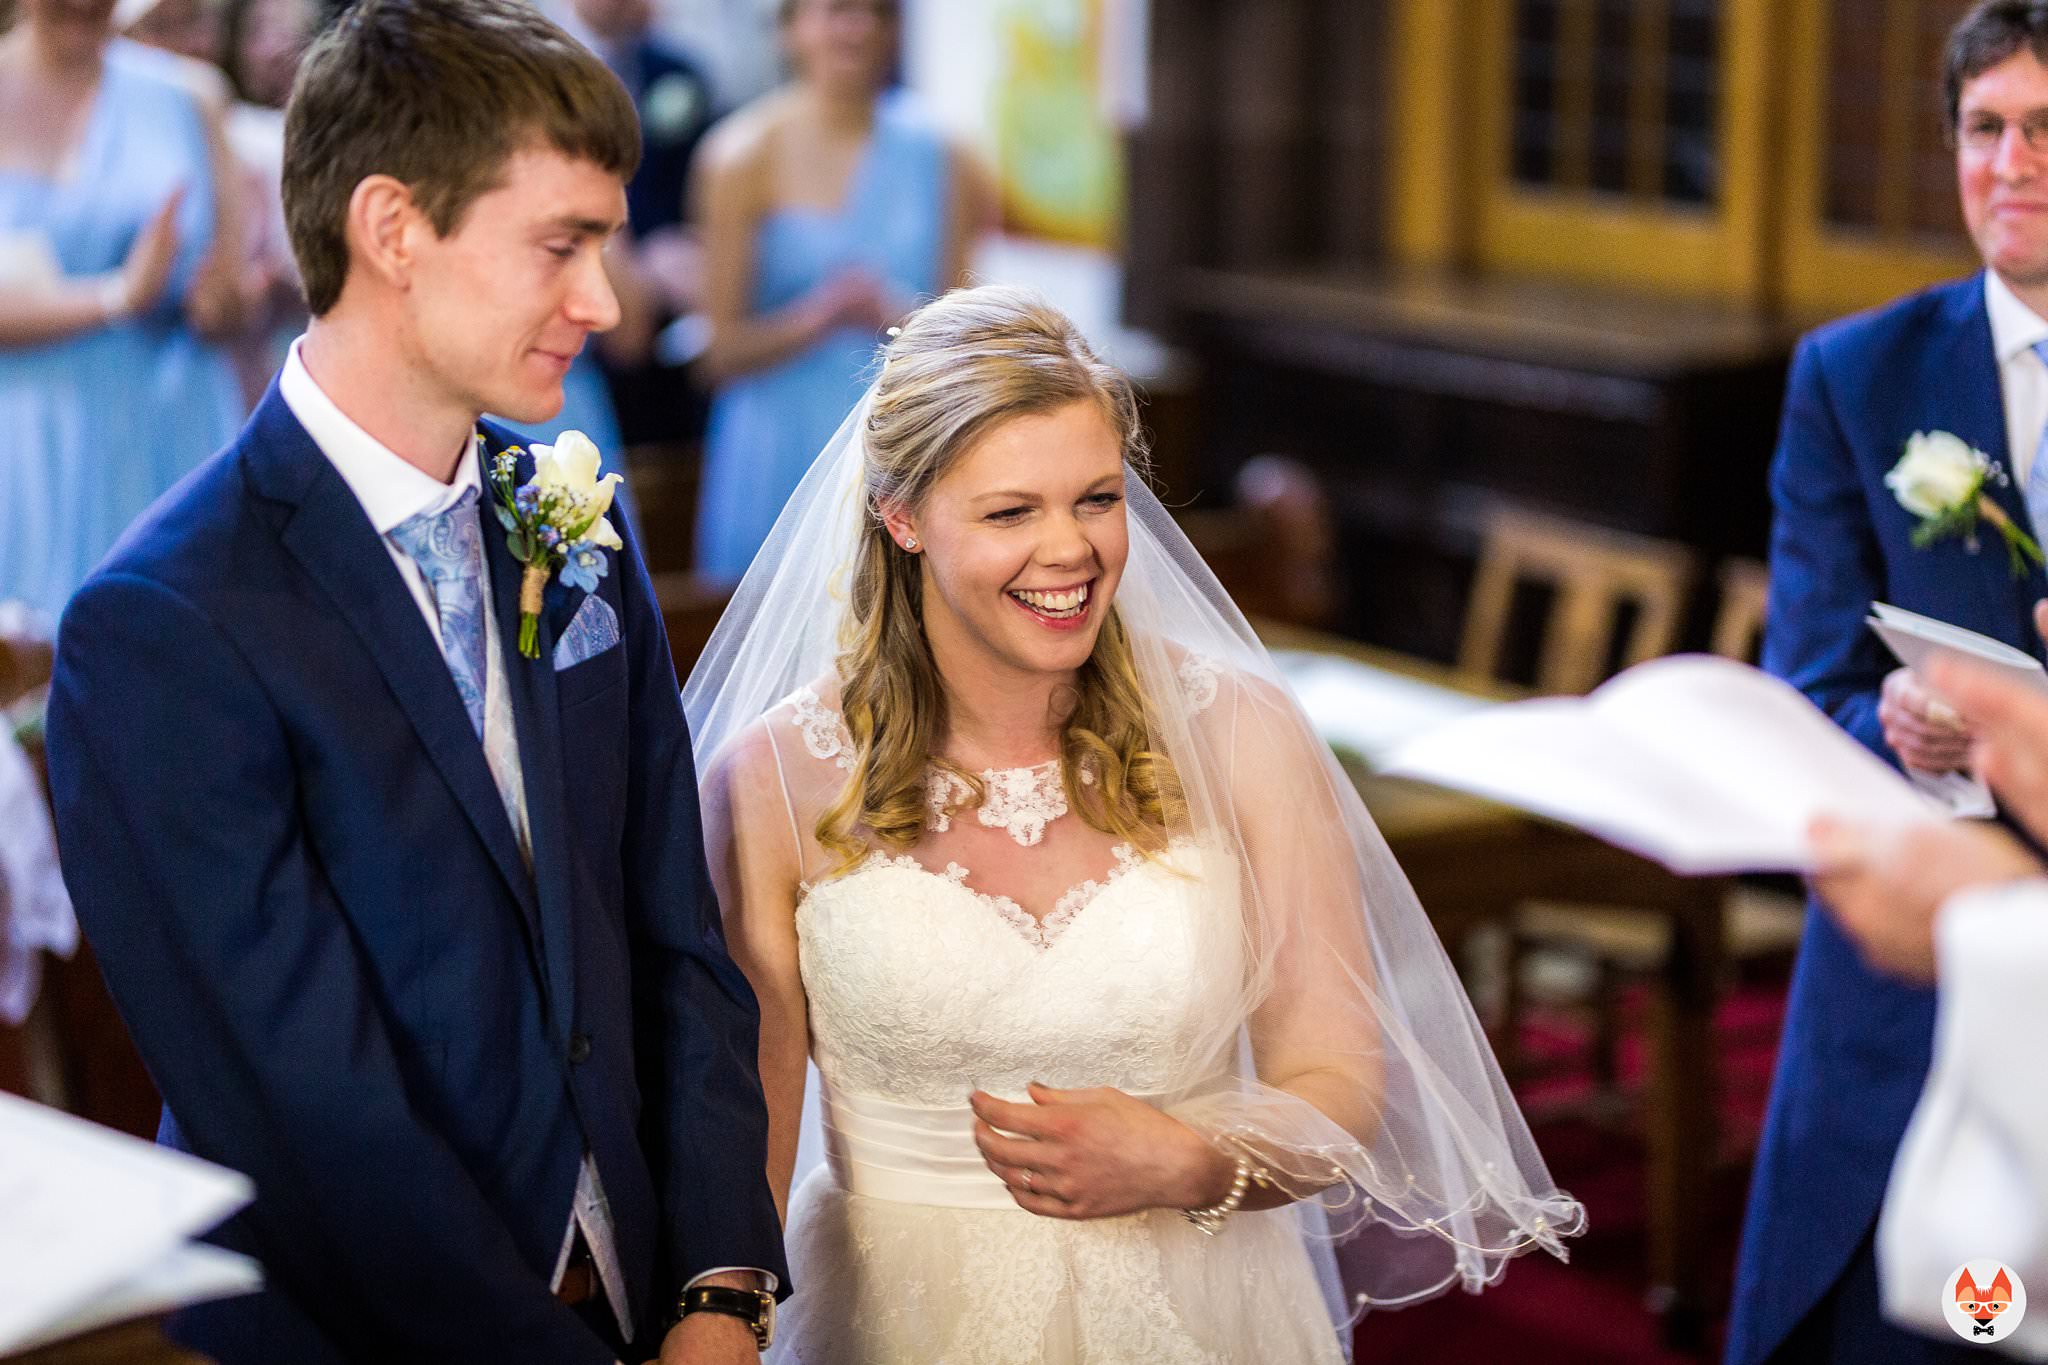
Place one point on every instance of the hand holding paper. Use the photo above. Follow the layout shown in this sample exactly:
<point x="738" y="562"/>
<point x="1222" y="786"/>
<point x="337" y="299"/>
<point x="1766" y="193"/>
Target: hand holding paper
<point x="1885" y="892"/>
<point x="1922" y="729"/>
<point x="2011" y="721"/>
<point x="1930" y="738"/>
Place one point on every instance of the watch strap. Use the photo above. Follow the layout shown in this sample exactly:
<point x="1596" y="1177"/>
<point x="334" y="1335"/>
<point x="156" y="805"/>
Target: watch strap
<point x="755" y="1307"/>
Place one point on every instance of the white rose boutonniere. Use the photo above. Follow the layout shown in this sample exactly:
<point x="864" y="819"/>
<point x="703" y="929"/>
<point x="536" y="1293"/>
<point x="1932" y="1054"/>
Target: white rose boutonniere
<point x="555" y="520"/>
<point x="1940" y="479"/>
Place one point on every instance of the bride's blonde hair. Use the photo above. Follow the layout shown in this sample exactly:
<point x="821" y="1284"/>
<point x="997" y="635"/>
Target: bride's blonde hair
<point x="960" y="366"/>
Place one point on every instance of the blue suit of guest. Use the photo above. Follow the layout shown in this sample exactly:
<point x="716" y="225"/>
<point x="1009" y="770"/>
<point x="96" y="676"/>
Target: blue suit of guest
<point x="1857" y="1044"/>
<point x="675" y="104"/>
<point x="285" y="842"/>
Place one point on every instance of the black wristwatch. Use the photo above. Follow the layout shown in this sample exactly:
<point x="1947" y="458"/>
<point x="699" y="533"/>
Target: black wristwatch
<point x="754" y="1307"/>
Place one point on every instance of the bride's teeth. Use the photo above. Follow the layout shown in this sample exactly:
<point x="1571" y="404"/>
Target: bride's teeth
<point x="1070" y="600"/>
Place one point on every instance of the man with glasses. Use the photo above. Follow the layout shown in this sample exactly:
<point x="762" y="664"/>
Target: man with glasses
<point x="1971" y="359"/>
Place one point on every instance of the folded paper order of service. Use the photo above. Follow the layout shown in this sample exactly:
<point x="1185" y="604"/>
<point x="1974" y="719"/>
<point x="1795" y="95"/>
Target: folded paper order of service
<point x="98" y="1227"/>
<point x="1699" y="763"/>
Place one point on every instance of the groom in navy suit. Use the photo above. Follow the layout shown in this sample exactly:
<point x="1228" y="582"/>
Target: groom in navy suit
<point x="414" y="929"/>
<point x="1971" y="359"/>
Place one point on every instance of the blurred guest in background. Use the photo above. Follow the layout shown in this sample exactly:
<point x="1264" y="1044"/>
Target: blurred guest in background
<point x="261" y="42"/>
<point x="829" y="207"/>
<point x="190" y="28"/>
<point x="734" y="41"/>
<point x="657" y="267"/>
<point x="1967" y="359"/>
<point x="670" y="93"/>
<point x="234" y="49"/>
<point x="118" y="234"/>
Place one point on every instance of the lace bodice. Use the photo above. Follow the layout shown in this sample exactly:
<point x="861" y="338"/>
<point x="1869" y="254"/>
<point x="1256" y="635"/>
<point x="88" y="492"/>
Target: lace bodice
<point x="1012" y="944"/>
<point x="922" y="988"/>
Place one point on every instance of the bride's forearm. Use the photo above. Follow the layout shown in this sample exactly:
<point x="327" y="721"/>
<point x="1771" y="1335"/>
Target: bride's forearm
<point x="1348" y="1096"/>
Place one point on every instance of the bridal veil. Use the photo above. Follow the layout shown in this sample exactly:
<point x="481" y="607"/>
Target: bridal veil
<point x="1347" y="1063"/>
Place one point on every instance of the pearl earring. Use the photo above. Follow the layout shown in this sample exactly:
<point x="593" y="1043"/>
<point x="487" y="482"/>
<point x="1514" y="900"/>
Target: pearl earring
<point x="910" y="542"/>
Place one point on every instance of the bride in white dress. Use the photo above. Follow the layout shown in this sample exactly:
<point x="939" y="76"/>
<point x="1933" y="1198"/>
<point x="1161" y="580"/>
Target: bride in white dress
<point x="1121" y="1009"/>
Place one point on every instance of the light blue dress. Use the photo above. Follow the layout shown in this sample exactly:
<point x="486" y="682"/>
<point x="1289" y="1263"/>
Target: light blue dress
<point x="767" y="427"/>
<point x="95" y="426"/>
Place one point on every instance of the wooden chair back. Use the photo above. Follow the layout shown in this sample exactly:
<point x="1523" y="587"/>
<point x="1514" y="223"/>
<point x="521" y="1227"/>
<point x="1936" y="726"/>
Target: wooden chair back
<point x="1739" y="622"/>
<point x="1594" y="573"/>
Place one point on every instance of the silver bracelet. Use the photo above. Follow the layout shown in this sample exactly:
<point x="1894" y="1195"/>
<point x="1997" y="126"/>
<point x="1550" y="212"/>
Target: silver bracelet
<point x="1210" y="1220"/>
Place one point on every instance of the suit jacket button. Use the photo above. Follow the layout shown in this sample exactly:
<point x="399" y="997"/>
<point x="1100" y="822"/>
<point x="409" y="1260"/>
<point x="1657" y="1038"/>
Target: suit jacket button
<point x="579" y="1048"/>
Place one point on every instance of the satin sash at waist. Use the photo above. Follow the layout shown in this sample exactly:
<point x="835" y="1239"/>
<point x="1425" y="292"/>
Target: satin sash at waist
<point x="912" y="1154"/>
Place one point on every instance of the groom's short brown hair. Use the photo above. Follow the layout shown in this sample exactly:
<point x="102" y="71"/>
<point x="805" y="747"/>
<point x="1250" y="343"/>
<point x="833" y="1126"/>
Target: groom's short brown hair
<point x="437" y="94"/>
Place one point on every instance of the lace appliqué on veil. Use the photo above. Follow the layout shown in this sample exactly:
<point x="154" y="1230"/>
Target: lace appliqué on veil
<point x="1198" y="673"/>
<point x="825" y="734"/>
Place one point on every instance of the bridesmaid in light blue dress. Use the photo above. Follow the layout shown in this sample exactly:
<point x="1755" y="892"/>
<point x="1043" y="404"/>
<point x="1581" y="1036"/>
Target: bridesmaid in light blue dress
<point x="106" y="398"/>
<point x="802" y="280"/>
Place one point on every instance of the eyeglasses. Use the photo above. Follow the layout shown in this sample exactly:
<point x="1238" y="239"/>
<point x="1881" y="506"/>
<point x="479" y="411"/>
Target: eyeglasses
<point x="1981" y="131"/>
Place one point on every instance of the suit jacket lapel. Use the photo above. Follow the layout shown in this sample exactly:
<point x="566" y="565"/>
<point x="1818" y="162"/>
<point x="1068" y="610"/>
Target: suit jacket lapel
<point x="1971" y="371"/>
<point x="331" y="537"/>
<point x="535" y="712"/>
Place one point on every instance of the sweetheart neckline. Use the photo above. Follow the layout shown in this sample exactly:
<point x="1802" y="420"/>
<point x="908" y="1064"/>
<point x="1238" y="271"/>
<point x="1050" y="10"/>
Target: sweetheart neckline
<point x="1041" y="932"/>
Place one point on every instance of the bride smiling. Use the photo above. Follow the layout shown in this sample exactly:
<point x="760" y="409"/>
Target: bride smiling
<point x="1122" y="1011"/>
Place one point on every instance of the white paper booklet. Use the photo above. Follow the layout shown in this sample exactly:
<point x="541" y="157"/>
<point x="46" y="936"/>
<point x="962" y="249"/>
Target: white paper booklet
<point x="1915" y="641"/>
<point x="1367" y="710"/>
<point x="97" y="1227"/>
<point x="1699" y="763"/>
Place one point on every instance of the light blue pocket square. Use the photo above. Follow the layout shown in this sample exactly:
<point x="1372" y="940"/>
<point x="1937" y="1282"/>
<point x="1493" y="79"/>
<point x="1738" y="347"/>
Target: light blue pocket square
<point x="593" y="630"/>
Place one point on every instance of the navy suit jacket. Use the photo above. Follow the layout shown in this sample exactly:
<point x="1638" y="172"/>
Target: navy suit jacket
<point x="1857" y="1044"/>
<point x="285" y="845"/>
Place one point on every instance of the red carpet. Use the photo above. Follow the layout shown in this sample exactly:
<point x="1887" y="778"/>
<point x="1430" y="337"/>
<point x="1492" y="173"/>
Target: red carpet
<point x="1592" y="1311"/>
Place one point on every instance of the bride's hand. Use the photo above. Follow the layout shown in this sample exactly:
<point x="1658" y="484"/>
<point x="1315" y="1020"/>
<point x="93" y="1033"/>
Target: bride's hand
<point x="1096" y="1154"/>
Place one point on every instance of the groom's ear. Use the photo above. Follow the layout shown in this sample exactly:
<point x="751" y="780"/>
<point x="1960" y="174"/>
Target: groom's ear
<point x="384" y="223"/>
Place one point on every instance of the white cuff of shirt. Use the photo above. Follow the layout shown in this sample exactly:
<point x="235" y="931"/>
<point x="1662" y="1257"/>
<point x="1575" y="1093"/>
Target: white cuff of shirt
<point x="765" y="1280"/>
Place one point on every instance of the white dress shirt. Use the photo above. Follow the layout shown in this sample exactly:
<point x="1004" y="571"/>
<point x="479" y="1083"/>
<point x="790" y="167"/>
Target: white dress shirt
<point x="2022" y="378"/>
<point x="392" y="492"/>
<point x="1971" y="1179"/>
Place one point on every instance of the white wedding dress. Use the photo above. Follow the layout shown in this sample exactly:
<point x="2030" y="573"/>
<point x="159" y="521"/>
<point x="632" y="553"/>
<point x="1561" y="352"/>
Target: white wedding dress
<point x="1012" y="944"/>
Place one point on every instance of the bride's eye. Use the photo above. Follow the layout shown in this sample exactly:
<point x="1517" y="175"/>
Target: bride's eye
<point x="1006" y="516"/>
<point x="1102" y="502"/>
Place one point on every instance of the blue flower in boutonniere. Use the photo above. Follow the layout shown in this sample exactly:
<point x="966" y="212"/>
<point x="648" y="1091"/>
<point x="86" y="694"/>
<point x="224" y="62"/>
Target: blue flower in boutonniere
<point x="555" y="521"/>
<point x="1940" y="479"/>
